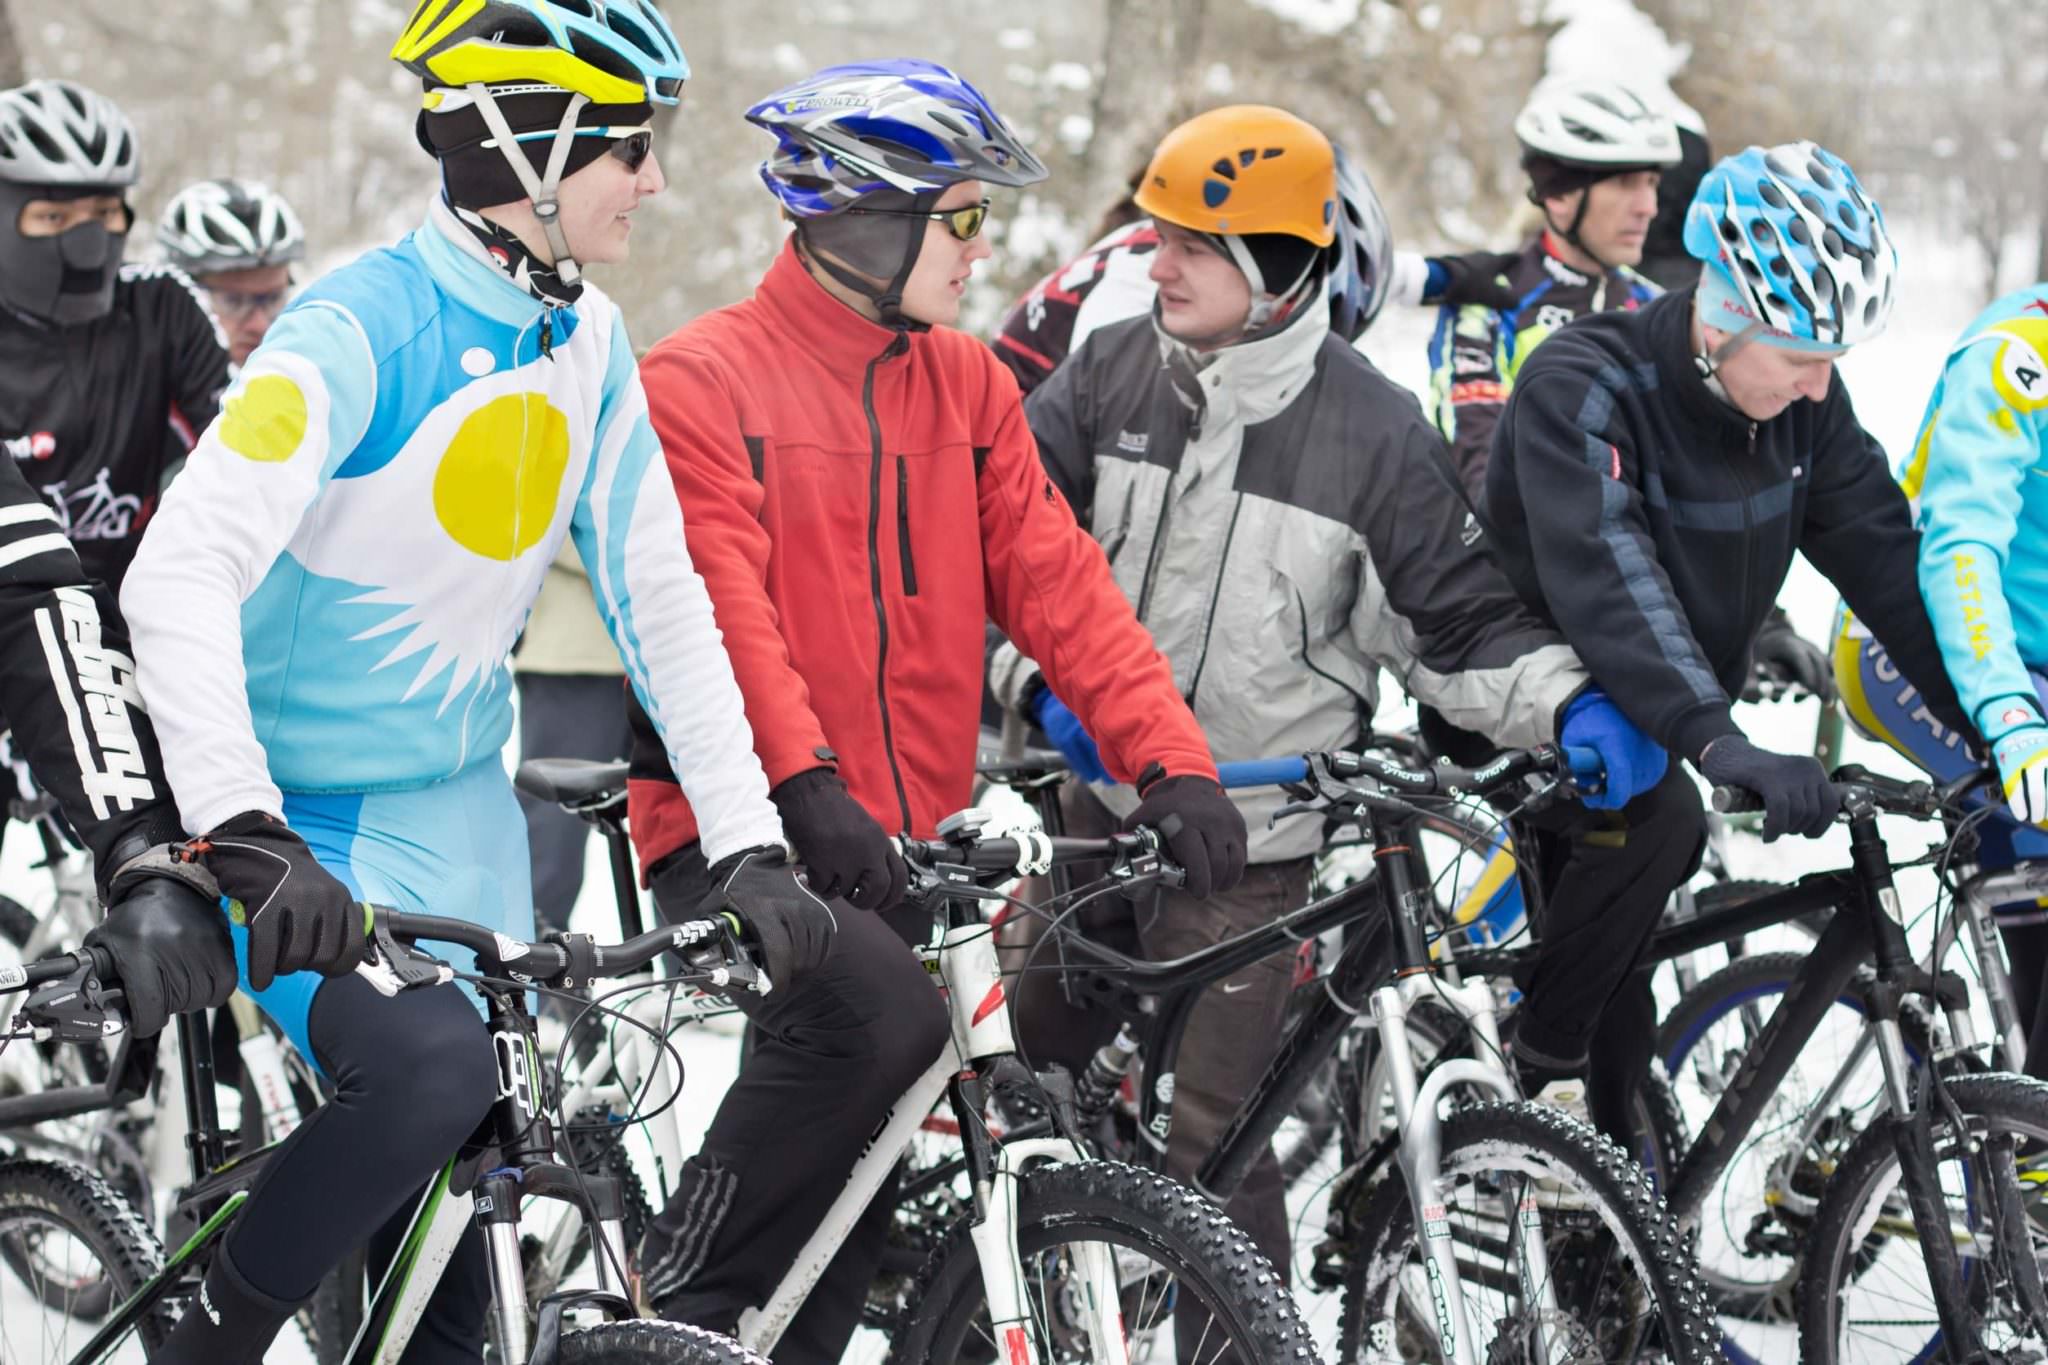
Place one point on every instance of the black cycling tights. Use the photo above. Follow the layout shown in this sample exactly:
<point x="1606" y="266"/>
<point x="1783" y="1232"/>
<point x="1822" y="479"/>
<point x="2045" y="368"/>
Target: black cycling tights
<point x="413" y="1074"/>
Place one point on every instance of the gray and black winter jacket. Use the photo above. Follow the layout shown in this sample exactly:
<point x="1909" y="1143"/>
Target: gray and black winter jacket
<point x="1284" y="520"/>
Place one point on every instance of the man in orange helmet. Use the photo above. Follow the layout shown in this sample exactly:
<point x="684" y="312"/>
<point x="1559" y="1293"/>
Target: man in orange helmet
<point x="1286" y="523"/>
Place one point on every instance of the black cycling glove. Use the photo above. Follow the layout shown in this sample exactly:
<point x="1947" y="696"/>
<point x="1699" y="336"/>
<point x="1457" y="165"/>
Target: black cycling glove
<point x="775" y="910"/>
<point x="171" y="951"/>
<point x="300" y="917"/>
<point x="1203" y="830"/>
<point x="1797" y="796"/>
<point x="1476" y="277"/>
<point x="844" y="852"/>
<point x="1785" y="653"/>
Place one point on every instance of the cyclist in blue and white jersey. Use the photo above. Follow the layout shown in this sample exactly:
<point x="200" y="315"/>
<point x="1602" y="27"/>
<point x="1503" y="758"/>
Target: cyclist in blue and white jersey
<point x="325" y="603"/>
<point x="1978" y="477"/>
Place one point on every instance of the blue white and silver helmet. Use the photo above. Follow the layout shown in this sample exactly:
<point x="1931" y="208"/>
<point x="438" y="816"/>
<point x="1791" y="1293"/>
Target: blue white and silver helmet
<point x="905" y="125"/>
<point x="1791" y="234"/>
<point x="1362" y="254"/>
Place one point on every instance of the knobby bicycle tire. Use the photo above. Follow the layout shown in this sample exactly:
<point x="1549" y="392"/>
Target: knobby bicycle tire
<point x="651" y="1343"/>
<point x="1604" y="1184"/>
<point x="1845" y="1243"/>
<point x="1102" y="1201"/>
<point x="81" y="1204"/>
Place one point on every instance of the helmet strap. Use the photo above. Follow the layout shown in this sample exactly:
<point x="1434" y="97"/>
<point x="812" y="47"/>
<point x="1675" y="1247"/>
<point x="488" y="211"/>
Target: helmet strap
<point x="1709" y="362"/>
<point x="543" y="189"/>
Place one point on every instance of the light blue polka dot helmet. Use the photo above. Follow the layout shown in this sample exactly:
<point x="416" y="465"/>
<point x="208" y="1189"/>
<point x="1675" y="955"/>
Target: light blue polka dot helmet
<point x="1790" y="231"/>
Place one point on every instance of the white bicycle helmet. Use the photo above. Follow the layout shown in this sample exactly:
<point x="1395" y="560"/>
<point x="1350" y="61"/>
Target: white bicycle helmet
<point x="58" y="133"/>
<point x="1596" y="125"/>
<point x="219" y="225"/>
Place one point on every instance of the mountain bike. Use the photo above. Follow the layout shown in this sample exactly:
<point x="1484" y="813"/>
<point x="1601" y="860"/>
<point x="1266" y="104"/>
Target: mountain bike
<point x="66" y="1234"/>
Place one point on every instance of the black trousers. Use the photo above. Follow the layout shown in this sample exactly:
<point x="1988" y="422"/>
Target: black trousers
<point x="828" y="1063"/>
<point x="565" y="715"/>
<point x="1586" y="1004"/>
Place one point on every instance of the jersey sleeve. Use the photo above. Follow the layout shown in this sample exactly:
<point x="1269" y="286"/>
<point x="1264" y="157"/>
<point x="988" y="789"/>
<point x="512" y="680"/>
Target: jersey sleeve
<point x="1977" y="444"/>
<point x="298" y="408"/>
<point x="67" y="686"/>
<point x="628" y="528"/>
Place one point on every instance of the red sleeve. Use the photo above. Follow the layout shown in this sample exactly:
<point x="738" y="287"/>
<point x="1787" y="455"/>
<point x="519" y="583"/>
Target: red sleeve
<point x="1050" y="590"/>
<point x="697" y="418"/>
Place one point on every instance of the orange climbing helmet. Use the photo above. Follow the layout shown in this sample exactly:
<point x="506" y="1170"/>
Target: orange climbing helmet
<point x="1246" y="168"/>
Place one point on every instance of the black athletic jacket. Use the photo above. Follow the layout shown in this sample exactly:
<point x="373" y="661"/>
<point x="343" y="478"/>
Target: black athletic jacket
<point x="95" y="415"/>
<point x="67" y="685"/>
<point x="1655" y="525"/>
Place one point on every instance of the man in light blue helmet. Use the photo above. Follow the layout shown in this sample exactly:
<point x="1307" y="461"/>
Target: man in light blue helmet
<point x="1975" y="477"/>
<point x="329" y="592"/>
<point x="1653" y="475"/>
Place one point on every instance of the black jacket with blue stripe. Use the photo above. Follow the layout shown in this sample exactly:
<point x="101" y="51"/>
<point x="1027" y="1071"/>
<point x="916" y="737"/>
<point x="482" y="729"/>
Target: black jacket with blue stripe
<point x="1654" y="525"/>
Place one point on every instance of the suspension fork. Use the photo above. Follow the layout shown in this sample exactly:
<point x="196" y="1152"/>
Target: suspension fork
<point x="1912" y="1124"/>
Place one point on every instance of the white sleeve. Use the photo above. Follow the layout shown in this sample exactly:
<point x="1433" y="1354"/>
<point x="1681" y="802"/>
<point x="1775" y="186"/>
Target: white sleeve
<point x="1408" y="281"/>
<point x="299" y="405"/>
<point x="628" y="529"/>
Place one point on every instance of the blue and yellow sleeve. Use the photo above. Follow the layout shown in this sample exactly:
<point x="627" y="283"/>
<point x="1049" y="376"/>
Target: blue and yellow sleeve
<point x="1977" y="444"/>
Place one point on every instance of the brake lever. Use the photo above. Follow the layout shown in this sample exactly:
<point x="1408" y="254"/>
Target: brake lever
<point x="75" y="1008"/>
<point x="725" y="964"/>
<point x="391" y="966"/>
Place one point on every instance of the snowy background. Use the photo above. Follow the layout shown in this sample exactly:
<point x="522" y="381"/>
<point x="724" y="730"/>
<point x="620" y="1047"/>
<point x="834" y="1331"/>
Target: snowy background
<point x="1943" y="121"/>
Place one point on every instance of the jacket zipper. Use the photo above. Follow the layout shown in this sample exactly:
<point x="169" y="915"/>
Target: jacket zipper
<point x="1365" y="705"/>
<point x="1159" y="531"/>
<point x="1748" y="525"/>
<point x="903" y="527"/>
<point x="897" y="346"/>
<point x="1215" y="595"/>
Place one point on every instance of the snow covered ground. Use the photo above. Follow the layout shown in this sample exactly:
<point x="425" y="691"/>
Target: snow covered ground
<point x="1889" y="378"/>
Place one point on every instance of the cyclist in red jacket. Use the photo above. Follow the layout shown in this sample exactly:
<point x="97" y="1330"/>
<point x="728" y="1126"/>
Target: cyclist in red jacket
<point x="862" y="495"/>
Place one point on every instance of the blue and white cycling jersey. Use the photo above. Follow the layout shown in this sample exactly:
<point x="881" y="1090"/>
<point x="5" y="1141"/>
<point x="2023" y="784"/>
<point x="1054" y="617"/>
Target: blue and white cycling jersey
<point x="371" y="517"/>
<point x="1978" y="476"/>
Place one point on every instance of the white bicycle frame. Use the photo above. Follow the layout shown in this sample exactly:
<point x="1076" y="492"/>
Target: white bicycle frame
<point x="1416" y="1098"/>
<point x="964" y="966"/>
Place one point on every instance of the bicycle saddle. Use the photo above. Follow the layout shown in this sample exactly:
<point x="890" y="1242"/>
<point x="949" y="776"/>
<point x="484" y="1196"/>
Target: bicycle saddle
<point x="570" y="781"/>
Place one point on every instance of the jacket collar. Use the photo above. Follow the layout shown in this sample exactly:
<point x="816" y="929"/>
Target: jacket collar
<point x="825" y="328"/>
<point x="1669" y="320"/>
<point x="1251" y="381"/>
<point x="462" y="267"/>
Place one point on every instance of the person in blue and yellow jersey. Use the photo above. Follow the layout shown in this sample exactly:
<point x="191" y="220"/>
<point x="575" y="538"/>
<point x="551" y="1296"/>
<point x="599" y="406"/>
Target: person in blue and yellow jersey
<point x="1978" y="477"/>
<point x="331" y="588"/>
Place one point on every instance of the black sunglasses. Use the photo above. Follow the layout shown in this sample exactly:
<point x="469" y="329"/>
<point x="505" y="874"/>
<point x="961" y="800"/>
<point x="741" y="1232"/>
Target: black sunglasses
<point x="964" y="223"/>
<point x="633" y="150"/>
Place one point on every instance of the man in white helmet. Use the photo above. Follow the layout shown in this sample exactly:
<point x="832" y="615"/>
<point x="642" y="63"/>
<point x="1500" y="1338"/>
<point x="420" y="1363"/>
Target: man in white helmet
<point x="106" y="370"/>
<point x="1593" y="151"/>
<point x="237" y="239"/>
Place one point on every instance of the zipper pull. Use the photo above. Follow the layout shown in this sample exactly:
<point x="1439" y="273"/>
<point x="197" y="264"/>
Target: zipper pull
<point x="547" y="343"/>
<point x="1752" y="438"/>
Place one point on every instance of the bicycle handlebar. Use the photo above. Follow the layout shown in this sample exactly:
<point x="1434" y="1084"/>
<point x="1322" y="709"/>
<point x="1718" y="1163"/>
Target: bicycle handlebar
<point x="1867" y="793"/>
<point x="961" y="855"/>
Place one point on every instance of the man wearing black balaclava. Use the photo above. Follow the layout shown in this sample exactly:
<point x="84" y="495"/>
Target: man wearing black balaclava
<point x="106" y="371"/>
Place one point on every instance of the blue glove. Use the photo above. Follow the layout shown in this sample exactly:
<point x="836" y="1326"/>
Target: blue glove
<point x="1064" y="729"/>
<point x="1635" y="763"/>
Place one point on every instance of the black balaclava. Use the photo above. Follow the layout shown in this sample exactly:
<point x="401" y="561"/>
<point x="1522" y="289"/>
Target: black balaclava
<point x="63" y="280"/>
<point x="474" y="176"/>
<point x="865" y="247"/>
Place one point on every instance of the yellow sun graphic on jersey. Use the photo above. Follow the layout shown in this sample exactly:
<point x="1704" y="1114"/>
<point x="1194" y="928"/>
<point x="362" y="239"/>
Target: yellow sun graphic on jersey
<point x="454" y="532"/>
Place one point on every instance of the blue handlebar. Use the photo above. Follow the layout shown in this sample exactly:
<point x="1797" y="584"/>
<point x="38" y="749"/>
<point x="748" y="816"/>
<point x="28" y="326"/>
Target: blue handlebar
<point x="1585" y="764"/>
<point x="1263" y="772"/>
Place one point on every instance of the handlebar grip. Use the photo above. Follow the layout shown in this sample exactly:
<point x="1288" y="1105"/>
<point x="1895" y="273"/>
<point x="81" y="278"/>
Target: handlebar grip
<point x="1584" y="764"/>
<point x="1736" y="800"/>
<point x="1263" y="772"/>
